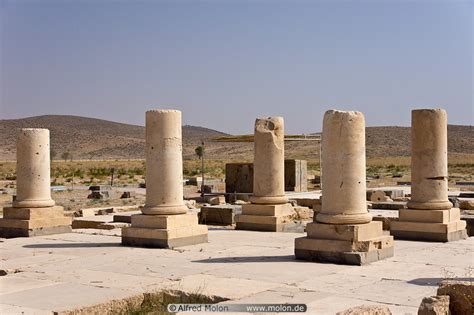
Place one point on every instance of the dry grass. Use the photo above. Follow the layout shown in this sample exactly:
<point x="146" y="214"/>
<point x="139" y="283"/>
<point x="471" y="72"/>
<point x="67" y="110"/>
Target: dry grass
<point x="130" y="171"/>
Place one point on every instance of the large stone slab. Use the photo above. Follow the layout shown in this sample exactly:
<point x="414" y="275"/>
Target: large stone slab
<point x="28" y="222"/>
<point x="352" y="233"/>
<point x="267" y="210"/>
<point x="434" y="232"/>
<point x="355" y="244"/>
<point x="219" y="215"/>
<point x="164" y="231"/>
<point x="429" y="216"/>
<point x="164" y="221"/>
<point x="33" y="213"/>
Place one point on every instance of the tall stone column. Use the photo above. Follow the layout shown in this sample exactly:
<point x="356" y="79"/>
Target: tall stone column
<point x="33" y="169"/>
<point x="429" y="161"/>
<point x="164" y="165"/>
<point x="343" y="231"/>
<point x="269" y="162"/>
<point x="165" y="222"/>
<point x="430" y="215"/>
<point x="33" y="212"/>
<point x="344" y="169"/>
<point x="269" y="209"/>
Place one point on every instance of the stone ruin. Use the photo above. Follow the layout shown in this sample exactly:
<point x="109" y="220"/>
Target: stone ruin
<point x="33" y="212"/>
<point x="165" y="221"/>
<point x="269" y="209"/>
<point x="342" y="231"/>
<point x="430" y="215"/>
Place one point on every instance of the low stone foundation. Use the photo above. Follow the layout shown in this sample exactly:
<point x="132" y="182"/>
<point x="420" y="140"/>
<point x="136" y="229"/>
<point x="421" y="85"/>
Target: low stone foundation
<point x="429" y="225"/>
<point x="267" y="218"/>
<point x="357" y="244"/>
<point x="164" y="231"/>
<point x="28" y="222"/>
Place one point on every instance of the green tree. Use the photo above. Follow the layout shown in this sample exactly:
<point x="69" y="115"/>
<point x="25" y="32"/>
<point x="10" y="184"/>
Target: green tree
<point x="199" y="151"/>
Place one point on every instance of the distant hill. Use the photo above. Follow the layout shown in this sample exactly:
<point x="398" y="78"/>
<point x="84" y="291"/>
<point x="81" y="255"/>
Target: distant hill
<point x="89" y="138"/>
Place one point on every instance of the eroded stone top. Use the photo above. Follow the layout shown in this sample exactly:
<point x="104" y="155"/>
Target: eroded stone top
<point x="343" y="112"/>
<point x="429" y="110"/>
<point x="268" y="124"/>
<point x="164" y="111"/>
<point x="30" y="131"/>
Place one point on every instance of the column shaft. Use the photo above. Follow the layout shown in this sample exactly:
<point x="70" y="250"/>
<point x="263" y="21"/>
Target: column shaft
<point x="343" y="169"/>
<point x="33" y="169"/>
<point x="429" y="161"/>
<point x="269" y="162"/>
<point x="164" y="164"/>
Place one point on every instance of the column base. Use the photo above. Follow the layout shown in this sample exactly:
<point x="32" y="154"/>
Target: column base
<point x="29" y="222"/>
<point x="356" y="244"/>
<point x="429" y="225"/>
<point x="266" y="218"/>
<point x="164" y="231"/>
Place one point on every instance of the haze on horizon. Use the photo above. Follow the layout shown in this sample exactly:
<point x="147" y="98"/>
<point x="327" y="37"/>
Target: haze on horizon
<point x="225" y="63"/>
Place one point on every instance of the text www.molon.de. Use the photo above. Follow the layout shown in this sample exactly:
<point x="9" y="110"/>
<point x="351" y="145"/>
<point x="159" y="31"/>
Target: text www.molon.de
<point x="245" y="308"/>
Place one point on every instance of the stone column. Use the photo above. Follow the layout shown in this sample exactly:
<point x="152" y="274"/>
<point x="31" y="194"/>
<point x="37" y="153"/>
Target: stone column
<point x="430" y="216"/>
<point x="164" y="163"/>
<point x="34" y="212"/>
<point x="429" y="162"/>
<point x="269" y="209"/>
<point x="343" y="231"/>
<point x="165" y="222"/>
<point x="343" y="183"/>
<point x="269" y="162"/>
<point x="33" y="169"/>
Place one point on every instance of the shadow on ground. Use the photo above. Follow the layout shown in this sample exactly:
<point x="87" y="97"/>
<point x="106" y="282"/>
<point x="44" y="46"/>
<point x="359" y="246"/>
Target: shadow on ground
<point x="248" y="259"/>
<point x="435" y="281"/>
<point x="73" y="245"/>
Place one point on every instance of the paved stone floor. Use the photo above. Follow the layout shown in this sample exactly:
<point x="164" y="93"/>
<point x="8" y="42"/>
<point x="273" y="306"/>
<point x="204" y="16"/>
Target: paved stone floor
<point x="68" y="271"/>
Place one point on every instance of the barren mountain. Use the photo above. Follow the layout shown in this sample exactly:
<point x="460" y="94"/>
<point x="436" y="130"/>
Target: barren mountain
<point x="89" y="138"/>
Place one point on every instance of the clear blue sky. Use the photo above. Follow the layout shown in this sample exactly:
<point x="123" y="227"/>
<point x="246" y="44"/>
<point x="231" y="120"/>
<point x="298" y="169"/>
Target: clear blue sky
<point x="224" y="63"/>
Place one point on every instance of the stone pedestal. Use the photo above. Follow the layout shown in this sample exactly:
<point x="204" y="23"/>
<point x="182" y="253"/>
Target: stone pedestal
<point x="34" y="212"/>
<point x="269" y="209"/>
<point x="343" y="231"/>
<point x="164" y="231"/>
<point x="165" y="222"/>
<point x="270" y="218"/>
<point x="430" y="216"/>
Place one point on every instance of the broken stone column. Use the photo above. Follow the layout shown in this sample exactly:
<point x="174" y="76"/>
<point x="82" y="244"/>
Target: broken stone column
<point x="430" y="215"/>
<point x="343" y="231"/>
<point x="269" y="209"/>
<point x="33" y="212"/>
<point x="165" y="221"/>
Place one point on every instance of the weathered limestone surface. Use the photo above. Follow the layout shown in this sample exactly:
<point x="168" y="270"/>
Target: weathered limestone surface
<point x="343" y="158"/>
<point x="33" y="169"/>
<point x="88" y="270"/>
<point x="461" y="295"/>
<point x="434" y="305"/>
<point x="343" y="231"/>
<point x="34" y="212"/>
<point x="269" y="162"/>
<point x="164" y="163"/>
<point x="367" y="310"/>
<point x="269" y="208"/>
<point x="165" y="222"/>
<point x="164" y="231"/>
<point x="430" y="215"/>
